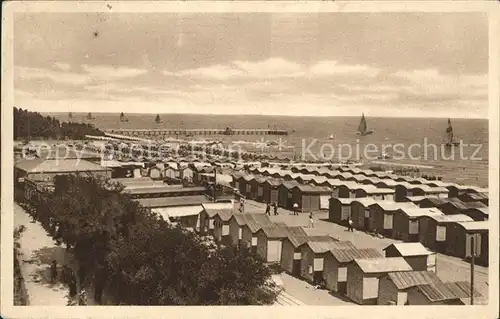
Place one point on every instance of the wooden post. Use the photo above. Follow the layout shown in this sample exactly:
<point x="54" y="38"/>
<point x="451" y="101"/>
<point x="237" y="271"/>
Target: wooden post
<point x="215" y="182"/>
<point x="473" y="253"/>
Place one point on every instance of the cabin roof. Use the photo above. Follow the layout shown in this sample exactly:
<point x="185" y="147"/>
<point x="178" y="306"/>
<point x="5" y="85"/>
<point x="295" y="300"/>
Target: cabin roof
<point x="348" y="255"/>
<point x="172" y="201"/>
<point x="224" y="214"/>
<point x="451" y="218"/>
<point x="411" y="249"/>
<point x="435" y="201"/>
<point x="437" y="292"/>
<point x="257" y="221"/>
<point x="380" y="265"/>
<point x="407" y="279"/>
<point x="243" y="218"/>
<point x="461" y="289"/>
<point x="275" y="231"/>
<point x="417" y="211"/>
<point x="322" y="246"/>
<point x="289" y="184"/>
<point x="394" y="206"/>
<point x="475" y="225"/>
<point x="58" y="165"/>
<point x="164" y="189"/>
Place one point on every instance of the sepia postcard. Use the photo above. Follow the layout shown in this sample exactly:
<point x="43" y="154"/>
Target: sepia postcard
<point x="252" y="159"/>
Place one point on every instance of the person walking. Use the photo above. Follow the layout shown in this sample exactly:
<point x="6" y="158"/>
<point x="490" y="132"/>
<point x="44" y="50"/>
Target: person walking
<point x="268" y="209"/>
<point x="349" y="225"/>
<point x="295" y="209"/>
<point x="311" y="220"/>
<point x="53" y="272"/>
<point x="242" y="205"/>
<point x="275" y="206"/>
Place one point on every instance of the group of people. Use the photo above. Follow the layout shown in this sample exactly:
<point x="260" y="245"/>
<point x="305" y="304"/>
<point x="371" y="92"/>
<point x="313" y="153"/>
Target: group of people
<point x="275" y="208"/>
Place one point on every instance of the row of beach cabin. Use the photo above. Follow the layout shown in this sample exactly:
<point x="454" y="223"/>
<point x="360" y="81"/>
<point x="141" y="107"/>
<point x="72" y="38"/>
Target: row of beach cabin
<point x="447" y="232"/>
<point x="365" y="276"/>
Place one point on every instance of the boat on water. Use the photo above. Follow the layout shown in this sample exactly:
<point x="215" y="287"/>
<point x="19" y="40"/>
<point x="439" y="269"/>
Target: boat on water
<point x="90" y="116"/>
<point x="450" y="138"/>
<point x="70" y="116"/>
<point x="363" y="127"/>
<point x="123" y="118"/>
<point x="158" y="119"/>
<point x="331" y="137"/>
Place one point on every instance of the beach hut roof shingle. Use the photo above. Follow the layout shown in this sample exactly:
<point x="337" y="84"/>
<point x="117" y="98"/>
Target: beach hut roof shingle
<point x="411" y="249"/>
<point x="289" y="184"/>
<point x="437" y="292"/>
<point x="379" y="265"/>
<point x="257" y="221"/>
<point x="348" y="255"/>
<point x="461" y="289"/>
<point x="322" y="246"/>
<point x="225" y="214"/>
<point x="275" y="231"/>
<point x="394" y="206"/>
<point x="407" y="279"/>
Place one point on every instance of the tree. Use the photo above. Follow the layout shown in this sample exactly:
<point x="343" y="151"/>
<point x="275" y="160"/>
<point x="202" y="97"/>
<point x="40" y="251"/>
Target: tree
<point x="142" y="259"/>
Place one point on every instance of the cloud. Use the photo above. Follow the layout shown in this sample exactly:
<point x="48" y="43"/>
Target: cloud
<point x="106" y="72"/>
<point x="332" y="68"/>
<point x="28" y="73"/>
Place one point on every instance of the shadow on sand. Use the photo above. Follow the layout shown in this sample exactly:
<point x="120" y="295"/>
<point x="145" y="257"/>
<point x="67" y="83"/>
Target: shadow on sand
<point x="340" y="296"/>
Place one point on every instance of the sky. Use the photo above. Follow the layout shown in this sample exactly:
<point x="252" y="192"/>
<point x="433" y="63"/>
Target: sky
<point x="300" y="64"/>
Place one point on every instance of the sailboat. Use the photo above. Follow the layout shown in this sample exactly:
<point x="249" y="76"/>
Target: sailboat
<point x="123" y="118"/>
<point x="158" y="119"/>
<point x="90" y="117"/>
<point x="70" y="116"/>
<point x="362" y="128"/>
<point x="331" y="137"/>
<point x="449" y="137"/>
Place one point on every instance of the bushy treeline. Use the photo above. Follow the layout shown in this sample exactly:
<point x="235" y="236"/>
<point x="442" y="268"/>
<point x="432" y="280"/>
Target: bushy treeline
<point x="137" y="258"/>
<point x="32" y="125"/>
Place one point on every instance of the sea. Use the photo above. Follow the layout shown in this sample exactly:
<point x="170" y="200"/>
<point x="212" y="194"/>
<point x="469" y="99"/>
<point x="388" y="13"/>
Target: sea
<point x="406" y="141"/>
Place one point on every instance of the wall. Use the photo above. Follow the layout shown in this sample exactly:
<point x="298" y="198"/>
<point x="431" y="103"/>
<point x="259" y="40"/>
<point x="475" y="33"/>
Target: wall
<point x="234" y="232"/>
<point x="287" y="252"/>
<point x="261" y="245"/>
<point x="417" y="263"/>
<point x="354" y="283"/>
<point x="387" y="291"/>
<point x="246" y="240"/>
<point x="307" y="263"/>
<point x="330" y="272"/>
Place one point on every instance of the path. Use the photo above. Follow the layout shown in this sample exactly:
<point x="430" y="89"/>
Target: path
<point x="37" y="251"/>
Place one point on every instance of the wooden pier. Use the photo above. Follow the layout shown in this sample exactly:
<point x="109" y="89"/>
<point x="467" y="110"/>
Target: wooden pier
<point x="151" y="133"/>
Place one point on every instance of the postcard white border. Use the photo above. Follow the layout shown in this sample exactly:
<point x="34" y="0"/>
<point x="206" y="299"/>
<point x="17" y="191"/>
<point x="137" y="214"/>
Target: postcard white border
<point x="386" y="312"/>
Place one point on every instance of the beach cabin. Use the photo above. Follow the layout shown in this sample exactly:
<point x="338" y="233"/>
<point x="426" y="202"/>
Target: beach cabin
<point x="291" y="249"/>
<point x="360" y="212"/>
<point x="456" y="190"/>
<point x="187" y="173"/>
<point x="394" y="286"/>
<point x="385" y="183"/>
<point x="270" y="190"/>
<point x="240" y="183"/>
<point x="472" y="209"/>
<point x="171" y="172"/>
<point x="415" y="254"/>
<point x="375" y="192"/>
<point x="312" y="256"/>
<point x="308" y="197"/>
<point x="382" y="213"/>
<point x="339" y="210"/>
<point x="405" y="189"/>
<point x="319" y="181"/>
<point x="248" y="181"/>
<point x="250" y="229"/>
<point x="236" y="224"/>
<point x="459" y="240"/>
<point x="304" y="179"/>
<point x="335" y="266"/>
<point x="432" y="230"/>
<point x="221" y="225"/>
<point x="208" y="213"/>
<point x="363" y="277"/>
<point x="285" y="196"/>
<point x="187" y="216"/>
<point x="428" y="202"/>
<point x="255" y="187"/>
<point x="270" y="241"/>
<point x="348" y="189"/>
<point x="155" y="173"/>
<point x="475" y="197"/>
<point x="406" y="222"/>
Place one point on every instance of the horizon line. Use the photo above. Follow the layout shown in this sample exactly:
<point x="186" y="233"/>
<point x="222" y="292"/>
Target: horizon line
<point x="257" y="114"/>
